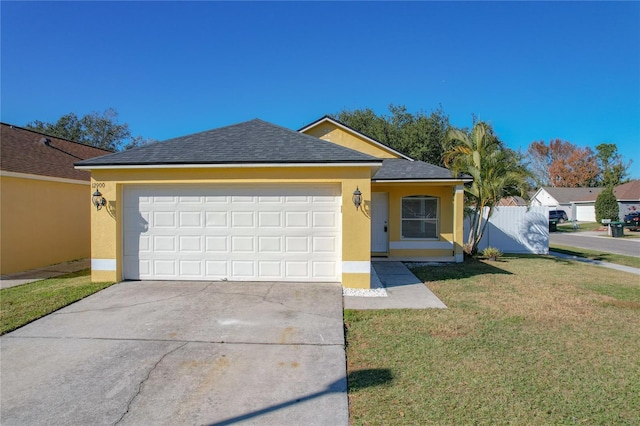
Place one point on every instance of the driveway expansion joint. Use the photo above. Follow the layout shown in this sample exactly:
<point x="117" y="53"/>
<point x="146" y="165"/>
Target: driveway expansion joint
<point x="133" y="304"/>
<point x="184" y="342"/>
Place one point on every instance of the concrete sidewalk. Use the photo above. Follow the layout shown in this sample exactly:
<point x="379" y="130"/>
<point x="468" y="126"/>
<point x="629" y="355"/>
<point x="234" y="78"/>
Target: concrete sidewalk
<point x="19" y="278"/>
<point x="609" y="265"/>
<point x="404" y="290"/>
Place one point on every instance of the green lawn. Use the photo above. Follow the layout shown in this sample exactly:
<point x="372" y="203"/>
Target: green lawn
<point x="584" y="226"/>
<point x="620" y="259"/>
<point x="525" y="341"/>
<point x="25" y="303"/>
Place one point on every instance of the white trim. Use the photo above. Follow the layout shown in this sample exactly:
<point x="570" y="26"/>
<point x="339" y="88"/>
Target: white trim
<point x="459" y="188"/>
<point x="45" y="178"/>
<point x="420" y="180"/>
<point x="459" y="258"/>
<point x="356" y="267"/>
<point x="350" y="130"/>
<point x="103" y="264"/>
<point x="225" y="165"/>
<point x="421" y="245"/>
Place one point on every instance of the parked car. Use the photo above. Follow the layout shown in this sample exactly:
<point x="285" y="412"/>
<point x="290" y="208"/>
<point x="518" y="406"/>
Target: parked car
<point x="632" y="221"/>
<point x="558" y="215"/>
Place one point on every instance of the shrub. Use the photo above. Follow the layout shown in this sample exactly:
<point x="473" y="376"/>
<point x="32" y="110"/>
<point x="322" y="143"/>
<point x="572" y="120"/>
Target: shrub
<point x="491" y="253"/>
<point x="607" y="206"/>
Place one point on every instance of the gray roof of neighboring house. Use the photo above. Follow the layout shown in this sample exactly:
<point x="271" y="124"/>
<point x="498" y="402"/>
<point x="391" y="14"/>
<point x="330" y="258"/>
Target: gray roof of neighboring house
<point x="629" y="191"/>
<point x="401" y="169"/>
<point x="251" y="142"/>
<point x="568" y="195"/>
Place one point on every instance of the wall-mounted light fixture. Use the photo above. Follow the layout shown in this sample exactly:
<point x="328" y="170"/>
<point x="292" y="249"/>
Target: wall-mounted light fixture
<point x="357" y="198"/>
<point x="98" y="200"/>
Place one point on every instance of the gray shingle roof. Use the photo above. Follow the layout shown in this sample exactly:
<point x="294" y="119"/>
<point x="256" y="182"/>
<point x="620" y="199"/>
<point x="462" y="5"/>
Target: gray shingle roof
<point x="254" y="141"/>
<point x="401" y="169"/>
<point x="568" y="195"/>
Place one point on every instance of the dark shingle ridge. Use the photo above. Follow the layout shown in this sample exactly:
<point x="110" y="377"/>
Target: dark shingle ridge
<point x="401" y="169"/>
<point x="48" y="135"/>
<point x="250" y="142"/>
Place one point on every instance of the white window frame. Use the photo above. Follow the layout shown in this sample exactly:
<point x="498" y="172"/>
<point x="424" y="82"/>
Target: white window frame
<point x="435" y="220"/>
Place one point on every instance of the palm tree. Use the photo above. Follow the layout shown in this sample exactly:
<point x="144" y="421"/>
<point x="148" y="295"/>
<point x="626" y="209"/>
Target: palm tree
<point x="495" y="170"/>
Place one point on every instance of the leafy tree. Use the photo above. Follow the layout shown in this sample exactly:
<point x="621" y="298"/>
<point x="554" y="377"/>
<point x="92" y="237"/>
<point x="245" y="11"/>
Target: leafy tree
<point x="496" y="171"/>
<point x="419" y="135"/>
<point x="607" y="206"/>
<point x="101" y="130"/>
<point x="579" y="169"/>
<point x="562" y="164"/>
<point x="541" y="156"/>
<point x="613" y="169"/>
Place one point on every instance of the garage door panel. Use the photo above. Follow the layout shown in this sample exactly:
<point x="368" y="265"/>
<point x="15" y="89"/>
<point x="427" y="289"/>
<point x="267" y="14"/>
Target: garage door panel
<point x="191" y="268"/>
<point x="216" y="244"/>
<point x="243" y="219"/>
<point x="164" y="219"/>
<point x="232" y="233"/>
<point x="296" y="219"/>
<point x="216" y="219"/>
<point x="270" y="244"/>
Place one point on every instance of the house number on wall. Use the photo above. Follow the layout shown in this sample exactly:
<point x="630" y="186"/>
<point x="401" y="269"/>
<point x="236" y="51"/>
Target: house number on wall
<point x="97" y="185"/>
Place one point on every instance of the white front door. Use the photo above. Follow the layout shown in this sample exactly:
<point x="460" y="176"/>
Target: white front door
<point x="379" y="222"/>
<point x="232" y="232"/>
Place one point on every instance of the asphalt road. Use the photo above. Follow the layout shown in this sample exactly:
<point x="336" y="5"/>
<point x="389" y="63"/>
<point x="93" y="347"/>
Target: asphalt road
<point x="598" y="241"/>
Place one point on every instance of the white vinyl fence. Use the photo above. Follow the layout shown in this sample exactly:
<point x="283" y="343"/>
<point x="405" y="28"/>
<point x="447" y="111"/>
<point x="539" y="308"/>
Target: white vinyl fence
<point x="515" y="229"/>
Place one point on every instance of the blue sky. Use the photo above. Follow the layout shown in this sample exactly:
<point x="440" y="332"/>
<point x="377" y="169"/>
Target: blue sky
<point x="536" y="71"/>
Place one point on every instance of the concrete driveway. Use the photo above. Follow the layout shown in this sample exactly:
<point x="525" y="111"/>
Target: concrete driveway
<point x="181" y="353"/>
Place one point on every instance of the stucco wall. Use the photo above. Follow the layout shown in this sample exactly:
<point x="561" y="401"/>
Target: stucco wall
<point x="331" y="132"/>
<point x="42" y="223"/>
<point x="448" y="244"/>
<point x="106" y="244"/>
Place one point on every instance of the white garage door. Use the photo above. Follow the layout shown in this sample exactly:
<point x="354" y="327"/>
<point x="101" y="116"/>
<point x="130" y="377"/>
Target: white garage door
<point x="586" y="213"/>
<point x="235" y="233"/>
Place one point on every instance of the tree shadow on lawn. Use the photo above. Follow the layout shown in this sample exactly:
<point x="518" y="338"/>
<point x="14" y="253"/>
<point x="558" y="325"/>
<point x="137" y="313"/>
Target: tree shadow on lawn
<point x="470" y="268"/>
<point x="604" y="257"/>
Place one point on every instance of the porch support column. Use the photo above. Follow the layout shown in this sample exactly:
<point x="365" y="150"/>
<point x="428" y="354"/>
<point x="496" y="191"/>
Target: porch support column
<point x="458" y="223"/>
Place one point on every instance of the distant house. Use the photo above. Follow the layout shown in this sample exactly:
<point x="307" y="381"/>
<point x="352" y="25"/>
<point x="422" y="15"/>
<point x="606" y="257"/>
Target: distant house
<point x="628" y="196"/>
<point x="512" y="201"/>
<point x="44" y="201"/>
<point x="579" y="203"/>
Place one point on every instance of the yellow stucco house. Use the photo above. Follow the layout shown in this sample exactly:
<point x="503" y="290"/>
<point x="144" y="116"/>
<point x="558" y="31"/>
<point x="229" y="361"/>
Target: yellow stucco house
<point x="258" y="202"/>
<point x="44" y="215"/>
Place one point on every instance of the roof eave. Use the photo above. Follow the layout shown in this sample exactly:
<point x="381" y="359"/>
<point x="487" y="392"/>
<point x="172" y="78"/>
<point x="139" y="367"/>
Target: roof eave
<point x="366" y="163"/>
<point x="430" y="180"/>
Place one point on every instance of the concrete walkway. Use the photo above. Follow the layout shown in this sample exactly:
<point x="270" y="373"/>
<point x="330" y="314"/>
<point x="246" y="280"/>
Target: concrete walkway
<point x="404" y="290"/>
<point x="609" y="265"/>
<point x="19" y="278"/>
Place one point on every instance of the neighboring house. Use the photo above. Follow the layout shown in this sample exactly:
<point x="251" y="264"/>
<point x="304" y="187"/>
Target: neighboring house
<point x="45" y="202"/>
<point x="512" y="201"/>
<point x="628" y="196"/>
<point x="579" y="203"/>
<point x="258" y="202"/>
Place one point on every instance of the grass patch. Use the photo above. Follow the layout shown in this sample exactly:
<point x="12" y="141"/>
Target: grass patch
<point x="526" y="341"/>
<point x="584" y="226"/>
<point x="620" y="259"/>
<point x="25" y="303"/>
